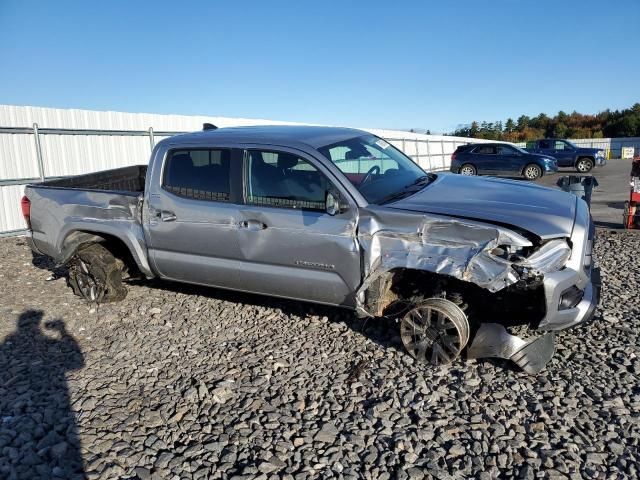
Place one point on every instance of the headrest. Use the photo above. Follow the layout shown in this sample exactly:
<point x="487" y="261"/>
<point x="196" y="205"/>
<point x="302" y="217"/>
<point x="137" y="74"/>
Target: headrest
<point x="351" y="155"/>
<point x="181" y="159"/>
<point x="286" y="160"/>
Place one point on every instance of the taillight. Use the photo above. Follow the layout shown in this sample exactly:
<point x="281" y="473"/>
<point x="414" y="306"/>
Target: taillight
<point x="453" y="156"/>
<point x="25" y="203"/>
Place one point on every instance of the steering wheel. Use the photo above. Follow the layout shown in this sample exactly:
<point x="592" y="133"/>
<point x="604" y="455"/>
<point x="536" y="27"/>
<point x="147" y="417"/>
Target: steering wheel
<point x="375" y="169"/>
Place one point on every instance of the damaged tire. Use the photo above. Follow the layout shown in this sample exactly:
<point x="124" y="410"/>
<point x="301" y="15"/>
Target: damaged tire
<point x="96" y="275"/>
<point x="435" y="331"/>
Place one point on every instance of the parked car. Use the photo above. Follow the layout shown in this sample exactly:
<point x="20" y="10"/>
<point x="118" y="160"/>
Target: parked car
<point x="500" y="159"/>
<point x="334" y="216"/>
<point x="567" y="154"/>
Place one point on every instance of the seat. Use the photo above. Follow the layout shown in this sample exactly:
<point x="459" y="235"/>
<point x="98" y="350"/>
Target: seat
<point x="181" y="171"/>
<point x="351" y="155"/>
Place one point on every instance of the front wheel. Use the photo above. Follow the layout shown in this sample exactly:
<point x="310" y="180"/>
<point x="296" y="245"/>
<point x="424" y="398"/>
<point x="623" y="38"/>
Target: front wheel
<point x="584" y="165"/>
<point x="468" y="169"/>
<point x="435" y="331"/>
<point x="532" y="172"/>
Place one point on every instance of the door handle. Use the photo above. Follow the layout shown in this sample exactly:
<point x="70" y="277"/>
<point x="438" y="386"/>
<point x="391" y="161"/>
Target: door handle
<point x="167" y="216"/>
<point x="252" y="225"/>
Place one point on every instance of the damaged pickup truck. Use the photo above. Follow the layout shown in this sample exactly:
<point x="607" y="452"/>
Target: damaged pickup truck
<point x="334" y="216"/>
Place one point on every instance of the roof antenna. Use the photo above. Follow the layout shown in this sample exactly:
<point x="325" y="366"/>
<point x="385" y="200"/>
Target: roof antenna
<point x="209" y="126"/>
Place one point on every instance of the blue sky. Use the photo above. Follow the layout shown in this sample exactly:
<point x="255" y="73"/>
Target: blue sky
<point x="385" y="64"/>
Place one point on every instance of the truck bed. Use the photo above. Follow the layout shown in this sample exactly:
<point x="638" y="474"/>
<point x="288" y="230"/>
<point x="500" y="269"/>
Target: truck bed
<point x="125" y="180"/>
<point x="106" y="202"/>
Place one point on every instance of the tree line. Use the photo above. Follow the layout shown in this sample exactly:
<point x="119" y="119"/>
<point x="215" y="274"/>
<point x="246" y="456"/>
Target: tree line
<point x="607" y="124"/>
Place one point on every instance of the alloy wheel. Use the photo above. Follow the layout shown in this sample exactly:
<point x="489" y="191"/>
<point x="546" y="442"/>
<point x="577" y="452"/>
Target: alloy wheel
<point x="435" y="331"/>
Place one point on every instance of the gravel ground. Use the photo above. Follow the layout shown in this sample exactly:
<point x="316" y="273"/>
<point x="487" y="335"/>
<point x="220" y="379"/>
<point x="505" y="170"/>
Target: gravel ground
<point x="182" y="382"/>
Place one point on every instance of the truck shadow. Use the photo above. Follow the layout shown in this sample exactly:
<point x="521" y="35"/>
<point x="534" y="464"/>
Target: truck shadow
<point x="38" y="431"/>
<point x="46" y="263"/>
<point x="383" y="331"/>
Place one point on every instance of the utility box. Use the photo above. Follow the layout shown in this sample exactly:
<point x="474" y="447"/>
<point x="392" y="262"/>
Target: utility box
<point x="580" y="185"/>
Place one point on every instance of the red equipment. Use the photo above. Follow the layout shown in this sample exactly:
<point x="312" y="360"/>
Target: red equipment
<point x="631" y="215"/>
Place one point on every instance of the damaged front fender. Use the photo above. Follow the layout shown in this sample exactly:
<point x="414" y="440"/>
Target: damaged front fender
<point x="452" y="247"/>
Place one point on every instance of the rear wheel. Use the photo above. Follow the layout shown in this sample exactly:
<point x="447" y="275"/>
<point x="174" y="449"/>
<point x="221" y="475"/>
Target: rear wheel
<point x="468" y="169"/>
<point x="584" y="165"/>
<point x="435" y="331"/>
<point x="532" y="172"/>
<point x="96" y="275"/>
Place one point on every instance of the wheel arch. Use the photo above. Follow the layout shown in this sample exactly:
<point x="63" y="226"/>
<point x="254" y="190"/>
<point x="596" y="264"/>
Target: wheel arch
<point x="120" y="247"/>
<point x="400" y="284"/>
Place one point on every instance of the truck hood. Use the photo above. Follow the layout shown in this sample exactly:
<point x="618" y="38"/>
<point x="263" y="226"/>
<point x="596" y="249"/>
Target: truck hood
<point x="545" y="212"/>
<point x="590" y="151"/>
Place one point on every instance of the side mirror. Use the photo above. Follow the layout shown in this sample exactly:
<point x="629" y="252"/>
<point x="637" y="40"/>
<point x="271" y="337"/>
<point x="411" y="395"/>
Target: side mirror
<point x="334" y="204"/>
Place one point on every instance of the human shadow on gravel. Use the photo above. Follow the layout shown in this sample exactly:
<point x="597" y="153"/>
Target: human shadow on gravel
<point x="38" y="431"/>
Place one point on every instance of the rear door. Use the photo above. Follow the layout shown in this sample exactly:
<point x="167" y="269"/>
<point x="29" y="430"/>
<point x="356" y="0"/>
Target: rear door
<point x="290" y="245"/>
<point x="546" y="147"/>
<point x="193" y="216"/>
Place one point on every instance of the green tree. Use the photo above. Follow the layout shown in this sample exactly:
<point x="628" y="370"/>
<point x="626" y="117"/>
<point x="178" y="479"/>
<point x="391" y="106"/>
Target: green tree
<point x="523" y="123"/>
<point x="509" y="126"/>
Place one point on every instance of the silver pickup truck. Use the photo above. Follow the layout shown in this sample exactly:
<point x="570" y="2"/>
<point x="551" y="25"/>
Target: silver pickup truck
<point x="334" y="216"/>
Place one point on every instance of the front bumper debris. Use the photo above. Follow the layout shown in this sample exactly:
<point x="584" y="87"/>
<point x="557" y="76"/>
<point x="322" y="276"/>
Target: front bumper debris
<point x="493" y="340"/>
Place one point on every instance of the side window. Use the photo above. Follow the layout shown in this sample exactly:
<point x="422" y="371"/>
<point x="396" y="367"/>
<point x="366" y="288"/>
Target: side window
<point x="531" y="145"/>
<point x="545" y="144"/>
<point x="485" y="150"/>
<point x="559" y="145"/>
<point x="506" y="150"/>
<point x="201" y="174"/>
<point x="278" y="179"/>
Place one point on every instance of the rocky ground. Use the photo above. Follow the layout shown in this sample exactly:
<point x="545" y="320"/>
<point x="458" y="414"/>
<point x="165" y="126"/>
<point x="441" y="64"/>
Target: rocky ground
<point x="182" y="382"/>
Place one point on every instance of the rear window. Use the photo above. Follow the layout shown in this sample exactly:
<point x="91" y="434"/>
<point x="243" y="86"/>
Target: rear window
<point x="462" y="148"/>
<point x="199" y="174"/>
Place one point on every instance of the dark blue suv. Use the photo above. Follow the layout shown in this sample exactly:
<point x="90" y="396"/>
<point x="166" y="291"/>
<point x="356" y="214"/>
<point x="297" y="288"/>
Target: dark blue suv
<point x="501" y="159"/>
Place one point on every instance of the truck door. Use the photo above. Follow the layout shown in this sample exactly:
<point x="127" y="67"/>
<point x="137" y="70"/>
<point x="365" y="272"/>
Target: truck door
<point x="192" y="222"/>
<point x="545" y="147"/>
<point x="290" y="245"/>
<point x="564" y="153"/>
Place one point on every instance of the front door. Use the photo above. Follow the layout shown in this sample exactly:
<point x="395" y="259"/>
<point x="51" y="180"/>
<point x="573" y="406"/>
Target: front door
<point x="512" y="161"/>
<point x="290" y="245"/>
<point x="193" y="217"/>
<point x="563" y="152"/>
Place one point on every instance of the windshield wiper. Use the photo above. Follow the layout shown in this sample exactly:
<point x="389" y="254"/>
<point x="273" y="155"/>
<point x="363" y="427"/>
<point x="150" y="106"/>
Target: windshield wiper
<point x="407" y="190"/>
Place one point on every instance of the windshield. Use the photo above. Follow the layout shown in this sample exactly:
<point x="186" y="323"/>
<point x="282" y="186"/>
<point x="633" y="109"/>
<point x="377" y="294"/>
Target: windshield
<point x="376" y="168"/>
<point x="570" y="143"/>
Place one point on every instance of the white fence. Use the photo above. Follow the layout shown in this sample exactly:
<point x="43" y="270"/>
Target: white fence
<point x="38" y="143"/>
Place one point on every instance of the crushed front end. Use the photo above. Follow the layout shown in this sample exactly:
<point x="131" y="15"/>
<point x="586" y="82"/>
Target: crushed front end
<point x="501" y="276"/>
